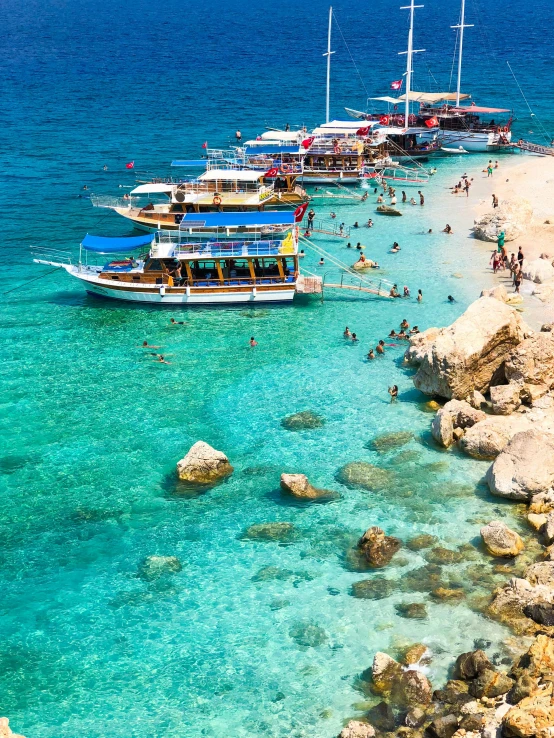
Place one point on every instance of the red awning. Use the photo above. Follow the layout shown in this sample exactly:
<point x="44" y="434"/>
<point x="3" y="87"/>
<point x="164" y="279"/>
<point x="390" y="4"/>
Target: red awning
<point x="477" y="109"/>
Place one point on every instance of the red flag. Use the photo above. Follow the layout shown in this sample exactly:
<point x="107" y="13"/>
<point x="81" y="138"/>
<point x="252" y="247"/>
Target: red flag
<point x="431" y="122"/>
<point x="396" y="85"/>
<point x="362" y="131"/>
<point x="384" y="120"/>
<point x="273" y="172"/>
<point x="307" y="142"/>
<point x="205" y="145"/>
<point x="130" y="165"/>
<point x="299" y="212"/>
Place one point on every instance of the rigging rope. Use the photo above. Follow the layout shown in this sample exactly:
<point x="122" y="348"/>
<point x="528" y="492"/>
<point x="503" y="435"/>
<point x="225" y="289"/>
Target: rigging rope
<point x="546" y="135"/>
<point x="24" y="284"/>
<point x="350" y="55"/>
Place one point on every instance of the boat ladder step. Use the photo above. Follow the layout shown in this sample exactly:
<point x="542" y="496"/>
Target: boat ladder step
<point x="535" y="148"/>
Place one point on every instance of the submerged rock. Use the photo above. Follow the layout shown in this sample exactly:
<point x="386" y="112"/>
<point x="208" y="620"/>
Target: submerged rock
<point x="308" y="635"/>
<point x="382" y="716"/>
<point x="447" y="594"/>
<point x="524" y="468"/>
<point x="365" y="475"/>
<point x="424" y="540"/>
<point x="390" y="441"/>
<point x="270" y="532"/>
<point x="423" y="579"/>
<point x="500" y="540"/>
<point x="377" y="548"/>
<point x="153" y="567"/>
<point x="441" y="555"/>
<point x="413" y="654"/>
<point x="271" y="573"/>
<point x="203" y="465"/>
<point x="412" y="610"/>
<point x="373" y="589"/>
<point x="299" y="486"/>
<point x="470" y="354"/>
<point x="305" y="420"/>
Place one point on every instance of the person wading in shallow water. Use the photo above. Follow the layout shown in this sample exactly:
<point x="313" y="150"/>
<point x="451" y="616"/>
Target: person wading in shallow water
<point x="393" y="392"/>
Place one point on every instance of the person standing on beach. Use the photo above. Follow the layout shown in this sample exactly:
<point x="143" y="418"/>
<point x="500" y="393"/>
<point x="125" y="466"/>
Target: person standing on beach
<point x="421" y="198"/>
<point x="517" y="281"/>
<point x="520" y="257"/>
<point x="467" y="185"/>
<point x="494" y="201"/>
<point x="489" y="169"/>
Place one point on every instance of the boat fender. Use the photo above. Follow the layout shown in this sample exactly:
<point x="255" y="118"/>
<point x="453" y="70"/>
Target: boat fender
<point x="187" y="290"/>
<point x="162" y="290"/>
<point x="217" y="200"/>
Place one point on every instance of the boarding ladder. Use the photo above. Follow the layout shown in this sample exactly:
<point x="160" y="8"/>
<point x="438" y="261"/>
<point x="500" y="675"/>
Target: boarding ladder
<point x="534" y="148"/>
<point x="328" y="228"/>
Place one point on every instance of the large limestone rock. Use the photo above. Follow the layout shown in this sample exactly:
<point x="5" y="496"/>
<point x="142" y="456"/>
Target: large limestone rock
<point x="505" y="398"/>
<point x="532" y="362"/>
<point x="524" y="468"/>
<point x="464" y="415"/>
<point x="513" y="217"/>
<point x="411" y="688"/>
<point x="299" y="486"/>
<point x="533" y="716"/>
<point x="500" y="540"/>
<point x="356" y="729"/>
<point x="485" y="440"/>
<point x="470" y="354"/>
<point x="419" y="344"/>
<point x="539" y="659"/>
<point x="538" y="270"/>
<point x="499" y="293"/>
<point x="384" y="671"/>
<point x="442" y="428"/>
<point x="470" y="664"/>
<point x="378" y="548"/>
<point x="203" y="465"/>
<point x="6" y="731"/>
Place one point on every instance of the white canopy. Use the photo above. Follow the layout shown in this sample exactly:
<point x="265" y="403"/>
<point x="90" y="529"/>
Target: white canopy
<point x="424" y="97"/>
<point x="282" y="135"/>
<point x="347" y="124"/>
<point x="153" y="188"/>
<point x="390" y="100"/>
<point x="234" y="175"/>
<point x="321" y="131"/>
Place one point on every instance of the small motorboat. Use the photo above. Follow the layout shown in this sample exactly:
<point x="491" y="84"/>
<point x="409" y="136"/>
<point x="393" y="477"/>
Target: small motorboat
<point x="448" y="150"/>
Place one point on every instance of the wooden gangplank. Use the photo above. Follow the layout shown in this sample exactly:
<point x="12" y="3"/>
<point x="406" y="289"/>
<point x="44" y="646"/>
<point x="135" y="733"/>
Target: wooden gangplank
<point x="534" y="148"/>
<point x="371" y="290"/>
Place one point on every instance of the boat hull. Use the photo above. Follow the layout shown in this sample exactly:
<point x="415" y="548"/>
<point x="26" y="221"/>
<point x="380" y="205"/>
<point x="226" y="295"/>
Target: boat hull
<point x="193" y="297"/>
<point x="474" y="141"/>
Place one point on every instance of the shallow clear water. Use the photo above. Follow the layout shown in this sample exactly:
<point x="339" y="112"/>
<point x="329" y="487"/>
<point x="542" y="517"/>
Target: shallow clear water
<point x="93" y="428"/>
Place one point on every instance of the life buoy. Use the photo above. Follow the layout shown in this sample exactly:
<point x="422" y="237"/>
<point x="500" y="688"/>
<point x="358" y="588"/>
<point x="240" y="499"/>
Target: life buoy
<point x="286" y="168"/>
<point x="217" y="200"/>
<point x="505" y="129"/>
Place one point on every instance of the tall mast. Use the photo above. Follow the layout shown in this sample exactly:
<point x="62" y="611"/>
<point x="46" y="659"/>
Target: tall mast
<point x="461" y="26"/>
<point x="328" y="55"/>
<point x="411" y="51"/>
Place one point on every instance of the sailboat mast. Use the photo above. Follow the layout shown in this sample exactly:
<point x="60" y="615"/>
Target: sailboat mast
<point x="328" y="55"/>
<point x="461" y="26"/>
<point x="410" y="53"/>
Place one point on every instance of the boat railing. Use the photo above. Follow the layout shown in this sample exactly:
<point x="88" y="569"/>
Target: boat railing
<point x="210" y="281"/>
<point x="45" y="253"/>
<point x="233" y="249"/>
<point x="108" y="201"/>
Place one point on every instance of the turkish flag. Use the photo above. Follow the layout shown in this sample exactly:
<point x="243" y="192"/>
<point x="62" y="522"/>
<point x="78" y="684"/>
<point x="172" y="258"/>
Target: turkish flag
<point x="307" y="142"/>
<point x="396" y="85"/>
<point x="299" y="212"/>
<point x="384" y="120"/>
<point x="205" y="145"/>
<point x="431" y="122"/>
<point x="362" y="131"/>
<point x="130" y="165"/>
<point x="273" y="172"/>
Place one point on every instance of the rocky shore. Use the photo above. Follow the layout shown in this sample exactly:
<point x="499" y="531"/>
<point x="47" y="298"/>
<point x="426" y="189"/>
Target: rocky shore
<point x="495" y="376"/>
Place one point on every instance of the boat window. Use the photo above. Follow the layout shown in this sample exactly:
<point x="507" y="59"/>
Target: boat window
<point x="153" y="265"/>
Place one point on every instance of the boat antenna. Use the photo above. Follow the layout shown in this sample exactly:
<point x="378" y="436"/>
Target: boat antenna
<point x="328" y="55"/>
<point x="409" y="55"/>
<point x="461" y="25"/>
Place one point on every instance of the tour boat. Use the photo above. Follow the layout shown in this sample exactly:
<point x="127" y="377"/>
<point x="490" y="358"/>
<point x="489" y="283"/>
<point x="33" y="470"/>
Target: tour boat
<point x="216" y="190"/>
<point x="251" y="258"/>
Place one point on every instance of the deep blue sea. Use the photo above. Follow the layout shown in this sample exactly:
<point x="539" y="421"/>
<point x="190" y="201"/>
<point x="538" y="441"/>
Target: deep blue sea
<point x="92" y="428"/>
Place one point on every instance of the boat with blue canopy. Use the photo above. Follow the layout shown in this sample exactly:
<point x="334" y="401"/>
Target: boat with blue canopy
<point x="213" y="258"/>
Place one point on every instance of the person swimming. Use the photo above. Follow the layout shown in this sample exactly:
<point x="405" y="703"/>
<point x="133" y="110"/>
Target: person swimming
<point x="406" y="291"/>
<point x="354" y="337"/>
<point x="393" y="392"/>
<point x="392" y="334"/>
<point x="419" y="295"/>
<point x="146" y="345"/>
<point x="448" y="229"/>
<point x="347" y="333"/>
<point x="253" y="342"/>
<point x="451" y="299"/>
<point x="161" y="359"/>
<point x="356" y="225"/>
<point x="395" y="248"/>
<point x="414" y="330"/>
<point x="176" y="322"/>
<point x="371" y="355"/>
<point x="369" y="223"/>
<point x="321" y="262"/>
<point x="380" y="348"/>
<point x="404" y="324"/>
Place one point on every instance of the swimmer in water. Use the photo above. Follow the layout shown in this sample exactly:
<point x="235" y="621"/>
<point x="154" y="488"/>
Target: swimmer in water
<point x="253" y="342"/>
<point x="392" y="334"/>
<point x="448" y="229"/>
<point x="321" y="262"/>
<point x="419" y="295"/>
<point x="161" y="359"/>
<point x="393" y="392"/>
<point x="371" y="355"/>
<point x="176" y="322"/>
<point x="145" y="344"/>
<point x="414" y="330"/>
<point x="406" y="291"/>
<point x="354" y="338"/>
<point x="404" y="324"/>
<point x="370" y="223"/>
<point x="451" y="299"/>
<point x="379" y="348"/>
<point x="347" y="333"/>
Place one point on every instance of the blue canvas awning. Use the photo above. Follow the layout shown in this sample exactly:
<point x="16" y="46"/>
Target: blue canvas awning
<point x="103" y="245"/>
<point x="236" y="220"/>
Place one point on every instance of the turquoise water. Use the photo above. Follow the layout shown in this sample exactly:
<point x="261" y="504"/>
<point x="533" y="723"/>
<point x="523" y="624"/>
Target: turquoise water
<point x="93" y="427"/>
